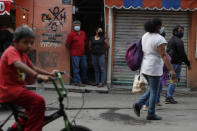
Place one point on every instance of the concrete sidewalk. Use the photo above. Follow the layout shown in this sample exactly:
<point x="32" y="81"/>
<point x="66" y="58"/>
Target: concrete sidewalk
<point x="180" y="91"/>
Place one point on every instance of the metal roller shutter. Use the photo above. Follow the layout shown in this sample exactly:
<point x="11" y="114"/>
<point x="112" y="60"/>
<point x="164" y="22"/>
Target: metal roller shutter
<point x="129" y="27"/>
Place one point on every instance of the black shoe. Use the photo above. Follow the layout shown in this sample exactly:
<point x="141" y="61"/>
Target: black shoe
<point x="9" y="129"/>
<point x="136" y="109"/>
<point x="79" y="84"/>
<point x="153" y="117"/>
<point x="94" y="84"/>
<point x="87" y="83"/>
<point x="170" y="101"/>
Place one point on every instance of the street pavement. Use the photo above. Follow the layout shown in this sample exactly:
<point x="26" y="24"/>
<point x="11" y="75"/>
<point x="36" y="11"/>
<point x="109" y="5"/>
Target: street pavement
<point x="113" y="112"/>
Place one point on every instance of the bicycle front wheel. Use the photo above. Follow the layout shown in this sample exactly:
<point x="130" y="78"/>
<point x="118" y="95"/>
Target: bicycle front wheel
<point x="77" y="128"/>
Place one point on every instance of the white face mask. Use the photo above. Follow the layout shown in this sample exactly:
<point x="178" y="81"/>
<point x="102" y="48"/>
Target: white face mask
<point x="77" y="28"/>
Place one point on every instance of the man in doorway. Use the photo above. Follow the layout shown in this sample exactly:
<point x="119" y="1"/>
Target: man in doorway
<point x="6" y="36"/>
<point x="76" y="44"/>
<point x="176" y="50"/>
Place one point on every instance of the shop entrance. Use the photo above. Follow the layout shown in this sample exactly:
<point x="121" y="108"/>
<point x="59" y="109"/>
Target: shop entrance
<point x="8" y="20"/>
<point x="91" y="15"/>
<point x="7" y="26"/>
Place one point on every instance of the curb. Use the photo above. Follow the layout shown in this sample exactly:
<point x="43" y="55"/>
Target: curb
<point x="70" y="88"/>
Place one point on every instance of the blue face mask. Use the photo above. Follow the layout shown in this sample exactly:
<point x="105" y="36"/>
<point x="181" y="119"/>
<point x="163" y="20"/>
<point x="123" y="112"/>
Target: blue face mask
<point x="77" y="28"/>
<point x="180" y="34"/>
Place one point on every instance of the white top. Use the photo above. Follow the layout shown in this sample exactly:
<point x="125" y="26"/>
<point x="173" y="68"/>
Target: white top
<point x="152" y="63"/>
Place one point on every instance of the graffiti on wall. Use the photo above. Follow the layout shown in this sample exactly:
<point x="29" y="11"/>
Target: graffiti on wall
<point x="47" y="59"/>
<point x="53" y="40"/>
<point x="55" y="18"/>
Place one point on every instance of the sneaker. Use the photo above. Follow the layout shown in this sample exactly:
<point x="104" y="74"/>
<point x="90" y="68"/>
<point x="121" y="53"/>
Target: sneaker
<point x="170" y="101"/>
<point x="153" y="117"/>
<point x="136" y="109"/>
<point x="100" y="85"/>
<point x="145" y="108"/>
<point x="79" y="84"/>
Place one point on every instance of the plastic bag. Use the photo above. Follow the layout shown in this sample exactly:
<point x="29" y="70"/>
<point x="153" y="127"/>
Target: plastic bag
<point x="139" y="84"/>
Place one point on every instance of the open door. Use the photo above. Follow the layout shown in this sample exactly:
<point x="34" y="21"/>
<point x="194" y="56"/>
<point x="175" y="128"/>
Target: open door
<point x="91" y="15"/>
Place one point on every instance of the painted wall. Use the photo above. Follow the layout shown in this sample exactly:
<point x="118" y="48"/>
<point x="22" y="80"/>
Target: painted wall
<point x="51" y="21"/>
<point x="192" y="74"/>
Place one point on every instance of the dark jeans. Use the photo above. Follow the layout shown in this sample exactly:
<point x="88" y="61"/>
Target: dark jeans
<point x="99" y="68"/>
<point x="171" y="86"/>
<point x="79" y="64"/>
<point x="150" y="94"/>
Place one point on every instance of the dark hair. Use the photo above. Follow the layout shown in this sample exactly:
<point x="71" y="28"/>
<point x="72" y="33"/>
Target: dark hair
<point x="176" y="29"/>
<point x="98" y="28"/>
<point x="151" y="25"/>
<point x="22" y="32"/>
<point x="76" y="22"/>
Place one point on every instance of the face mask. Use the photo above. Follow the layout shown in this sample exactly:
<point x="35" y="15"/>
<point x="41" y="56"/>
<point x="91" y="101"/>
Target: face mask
<point x="100" y="33"/>
<point x="77" y="28"/>
<point x="180" y="34"/>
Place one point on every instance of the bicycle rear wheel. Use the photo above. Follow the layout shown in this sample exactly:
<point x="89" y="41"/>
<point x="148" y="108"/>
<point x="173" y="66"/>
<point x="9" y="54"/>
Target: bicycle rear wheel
<point x="77" y="128"/>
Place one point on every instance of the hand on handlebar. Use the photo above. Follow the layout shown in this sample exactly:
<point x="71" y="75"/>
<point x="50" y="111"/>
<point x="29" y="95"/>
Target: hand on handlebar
<point x="44" y="78"/>
<point x="54" y="73"/>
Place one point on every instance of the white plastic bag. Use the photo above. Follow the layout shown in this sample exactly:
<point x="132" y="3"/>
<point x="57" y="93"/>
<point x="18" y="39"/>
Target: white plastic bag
<point x="139" y="84"/>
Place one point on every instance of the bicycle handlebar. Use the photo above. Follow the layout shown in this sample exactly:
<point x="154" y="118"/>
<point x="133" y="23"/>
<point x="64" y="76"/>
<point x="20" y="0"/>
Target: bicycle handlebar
<point x="52" y="78"/>
<point x="61" y="91"/>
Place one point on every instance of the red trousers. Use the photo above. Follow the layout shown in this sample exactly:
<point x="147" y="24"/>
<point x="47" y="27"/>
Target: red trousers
<point x="34" y="106"/>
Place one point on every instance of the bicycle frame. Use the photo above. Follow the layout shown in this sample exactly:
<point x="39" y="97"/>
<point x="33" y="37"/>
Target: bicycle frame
<point x="47" y="119"/>
<point x="61" y="93"/>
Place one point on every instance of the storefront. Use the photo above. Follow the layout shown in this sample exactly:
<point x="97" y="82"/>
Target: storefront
<point x="128" y="17"/>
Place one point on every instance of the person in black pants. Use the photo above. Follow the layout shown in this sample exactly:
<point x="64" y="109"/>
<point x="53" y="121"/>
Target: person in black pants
<point x="97" y="46"/>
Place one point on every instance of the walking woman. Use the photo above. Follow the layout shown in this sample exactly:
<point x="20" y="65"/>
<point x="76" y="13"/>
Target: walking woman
<point x="153" y="46"/>
<point x="97" y="46"/>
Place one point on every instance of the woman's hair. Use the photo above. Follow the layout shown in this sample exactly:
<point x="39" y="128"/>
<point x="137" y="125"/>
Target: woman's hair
<point x="22" y="32"/>
<point x="151" y="25"/>
<point x="98" y="28"/>
<point x="176" y="29"/>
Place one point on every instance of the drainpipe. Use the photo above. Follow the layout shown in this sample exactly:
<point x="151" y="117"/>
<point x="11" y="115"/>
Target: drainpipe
<point x="110" y="49"/>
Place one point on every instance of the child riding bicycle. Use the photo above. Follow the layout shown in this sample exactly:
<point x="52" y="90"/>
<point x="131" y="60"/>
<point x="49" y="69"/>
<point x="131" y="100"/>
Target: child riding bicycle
<point x="14" y="66"/>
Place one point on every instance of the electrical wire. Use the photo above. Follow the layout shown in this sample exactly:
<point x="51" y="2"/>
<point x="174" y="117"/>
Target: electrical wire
<point x="80" y="109"/>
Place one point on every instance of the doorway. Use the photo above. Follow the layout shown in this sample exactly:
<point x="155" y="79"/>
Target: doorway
<point x="91" y="15"/>
<point x="7" y="26"/>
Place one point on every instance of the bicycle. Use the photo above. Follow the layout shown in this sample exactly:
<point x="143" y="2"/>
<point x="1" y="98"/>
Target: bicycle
<point x="62" y="93"/>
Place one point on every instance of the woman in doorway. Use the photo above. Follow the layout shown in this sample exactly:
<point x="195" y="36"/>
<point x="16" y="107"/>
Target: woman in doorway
<point x="97" y="46"/>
